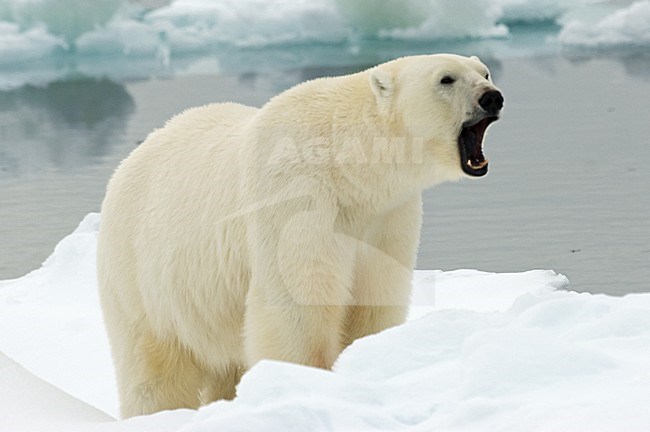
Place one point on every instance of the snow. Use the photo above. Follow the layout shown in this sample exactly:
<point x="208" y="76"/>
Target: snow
<point x="30" y="404"/>
<point x="625" y="27"/>
<point x="61" y="346"/>
<point x="42" y="41"/>
<point x="481" y="351"/>
<point x="40" y="28"/>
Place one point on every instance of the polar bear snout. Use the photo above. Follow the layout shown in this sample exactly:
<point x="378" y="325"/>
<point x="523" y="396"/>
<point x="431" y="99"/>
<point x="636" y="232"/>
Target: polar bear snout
<point x="491" y="101"/>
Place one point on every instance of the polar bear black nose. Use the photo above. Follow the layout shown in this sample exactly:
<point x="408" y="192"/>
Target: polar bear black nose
<point x="491" y="101"/>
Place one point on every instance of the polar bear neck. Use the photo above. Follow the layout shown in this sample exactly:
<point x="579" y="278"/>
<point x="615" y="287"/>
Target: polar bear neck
<point x="333" y="130"/>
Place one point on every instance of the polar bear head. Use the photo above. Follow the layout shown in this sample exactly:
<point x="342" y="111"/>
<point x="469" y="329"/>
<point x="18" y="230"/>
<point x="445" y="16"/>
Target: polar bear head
<point x="446" y="100"/>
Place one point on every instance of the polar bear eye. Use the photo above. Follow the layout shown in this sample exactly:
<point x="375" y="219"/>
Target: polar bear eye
<point x="447" y="80"/>
<point x="487" y="76"/>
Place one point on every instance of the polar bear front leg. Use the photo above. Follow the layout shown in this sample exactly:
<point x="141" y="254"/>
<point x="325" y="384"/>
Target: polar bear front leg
<point x="384" y="272"/>
<point x="308" y="335"/>
<point x="299" y="292"/>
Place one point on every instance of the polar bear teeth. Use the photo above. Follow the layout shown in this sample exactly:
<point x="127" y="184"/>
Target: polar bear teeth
<point x="470" y="147"/>
<point x="480" y="164"/>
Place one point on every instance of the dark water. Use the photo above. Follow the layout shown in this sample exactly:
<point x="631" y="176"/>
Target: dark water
<point x="568" y="189"/>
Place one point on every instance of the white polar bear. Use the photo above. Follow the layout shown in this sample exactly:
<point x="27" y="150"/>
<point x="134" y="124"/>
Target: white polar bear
<point x="235" y="234"/>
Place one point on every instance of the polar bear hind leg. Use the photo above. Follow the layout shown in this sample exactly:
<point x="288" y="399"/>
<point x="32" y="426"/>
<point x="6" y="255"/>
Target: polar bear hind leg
<point x="154" y="375"/>
<point x="160" y="375"/>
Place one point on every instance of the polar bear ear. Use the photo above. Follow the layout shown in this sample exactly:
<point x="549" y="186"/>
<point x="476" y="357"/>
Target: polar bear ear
<point x="381" y="83"/>
<point x="476" y="58"/>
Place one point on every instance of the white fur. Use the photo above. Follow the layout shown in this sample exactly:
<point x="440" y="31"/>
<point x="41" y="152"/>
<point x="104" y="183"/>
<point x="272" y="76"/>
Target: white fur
<point x="235" y="234"/>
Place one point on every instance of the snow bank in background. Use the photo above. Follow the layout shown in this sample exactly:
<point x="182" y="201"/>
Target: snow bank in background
<point x="624" y="27"/>
<point x="189" y="25"/>
<point x="423" y="19"/>
<point x="35" y="28"/>
<point x="482" y="351"/>
<point x="46" y="40"/>
<point x="67" y="19"/>
<point x="525" y="11"/>
<point x="18" y="45"/>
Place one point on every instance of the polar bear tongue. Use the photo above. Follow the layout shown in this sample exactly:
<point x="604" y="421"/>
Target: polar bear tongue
<point x="470" y="143"/>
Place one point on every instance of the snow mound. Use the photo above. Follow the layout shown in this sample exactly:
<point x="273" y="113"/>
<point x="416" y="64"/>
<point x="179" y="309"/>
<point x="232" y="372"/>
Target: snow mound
<point x="554" y="361"/>
<point x="50" y="321"/>
<point x="482" y="351"/>
<point x="626" y="27"/>
<point x="31" y="404"/>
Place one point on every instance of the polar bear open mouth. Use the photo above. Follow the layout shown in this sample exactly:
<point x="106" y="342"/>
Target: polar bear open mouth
<point x="470" y="145"/>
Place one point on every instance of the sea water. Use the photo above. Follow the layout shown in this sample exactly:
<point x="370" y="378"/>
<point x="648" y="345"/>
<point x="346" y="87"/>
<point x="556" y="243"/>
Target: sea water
<point x="81" y="83"/>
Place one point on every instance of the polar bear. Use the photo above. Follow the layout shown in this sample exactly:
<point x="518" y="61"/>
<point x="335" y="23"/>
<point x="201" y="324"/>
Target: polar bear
<point x="235" y="234"/>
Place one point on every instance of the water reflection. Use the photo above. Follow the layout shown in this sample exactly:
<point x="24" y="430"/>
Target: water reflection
<point x="66" y="125"/>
